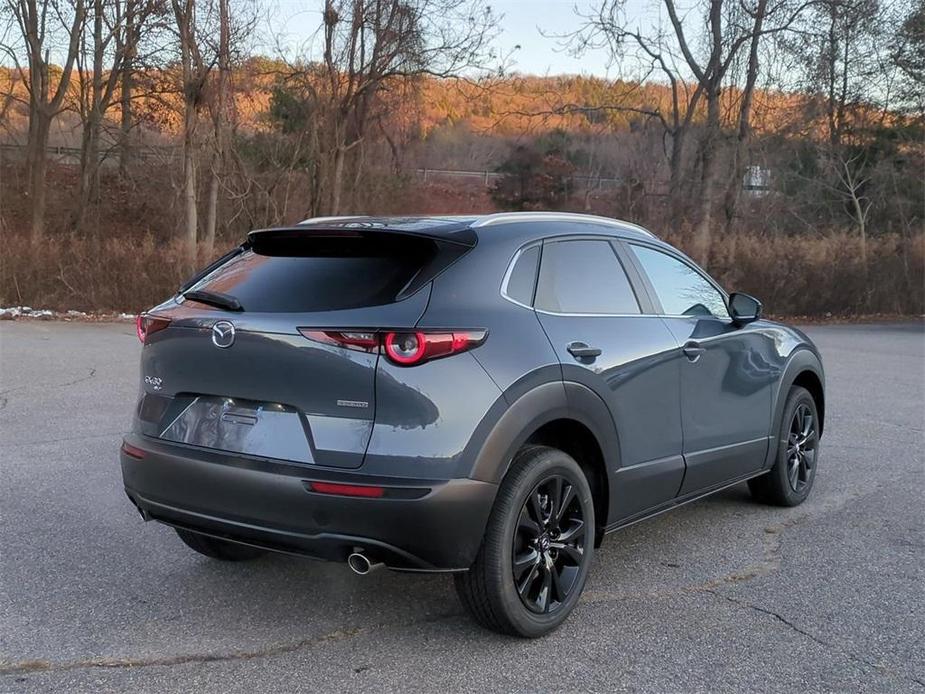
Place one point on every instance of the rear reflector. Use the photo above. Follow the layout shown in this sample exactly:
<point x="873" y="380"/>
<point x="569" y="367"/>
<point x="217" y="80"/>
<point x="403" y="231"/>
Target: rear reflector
<point x="347" y="489"/>
<point x="404" y="348"/>
<point x="132" y="452"/>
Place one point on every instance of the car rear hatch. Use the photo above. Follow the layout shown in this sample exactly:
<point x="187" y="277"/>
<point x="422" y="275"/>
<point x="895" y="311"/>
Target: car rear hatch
<point x="230" y="363"/>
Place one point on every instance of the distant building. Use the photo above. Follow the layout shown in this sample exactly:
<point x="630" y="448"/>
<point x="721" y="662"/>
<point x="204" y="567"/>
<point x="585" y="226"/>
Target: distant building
<point x="757" y="181"/>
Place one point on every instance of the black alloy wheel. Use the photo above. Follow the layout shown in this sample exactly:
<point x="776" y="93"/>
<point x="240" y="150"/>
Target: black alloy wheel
<point x="801" y="448"/>
<point x="537" y="549"/>
<point x="789" y="481"/>
<point x="548" y="545"/>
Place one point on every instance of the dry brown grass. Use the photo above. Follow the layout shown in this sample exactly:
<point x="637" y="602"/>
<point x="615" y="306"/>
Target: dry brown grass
<point x="825" y="274"/>
<point x="794" y="276"/>
<point x="69" y="272"/>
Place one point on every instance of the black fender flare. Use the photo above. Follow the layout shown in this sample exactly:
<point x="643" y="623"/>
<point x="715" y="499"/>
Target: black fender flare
<point x="800" y="360"/>
<point x="531" y="410"/>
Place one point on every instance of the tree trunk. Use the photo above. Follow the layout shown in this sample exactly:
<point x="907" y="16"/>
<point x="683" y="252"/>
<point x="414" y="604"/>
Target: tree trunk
<point x="218" y="121"/>
<point x="737" y="172"/>
<point x="337" y="178"/>
<point x="192" y="90"/>
<point x="88" y="190"/>
<point x="675" y="163"/>
<point x="211" y="212"/>
<point x="43" y="105"/>
<point x="37" y="165"/>
<point x="708" y="173"/>
<point x="189" y="186"/>
<point x="125" y="97"/>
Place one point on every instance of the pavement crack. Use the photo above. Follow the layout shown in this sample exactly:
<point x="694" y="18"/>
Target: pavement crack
<point x="31" y="666"/>
<point x="45" y="386"/>
<point x="78" y="380"/>
<point x="812" y="637"/>
<point x="85" y="437"/>
<point x="779" y="617"/>
<point x="37" y="666"/>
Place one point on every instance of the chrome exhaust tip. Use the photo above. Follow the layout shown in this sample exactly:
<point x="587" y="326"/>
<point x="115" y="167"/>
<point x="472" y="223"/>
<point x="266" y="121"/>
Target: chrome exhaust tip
<point x="360" y="564"/>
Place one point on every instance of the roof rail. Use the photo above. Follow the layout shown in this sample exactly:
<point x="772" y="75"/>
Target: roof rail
<point x="503" y="217"/>
<point x="313" y="220"/>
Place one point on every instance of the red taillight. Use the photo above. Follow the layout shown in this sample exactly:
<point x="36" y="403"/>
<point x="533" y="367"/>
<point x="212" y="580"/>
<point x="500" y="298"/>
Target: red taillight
<point x="405" y="348"/>
<point x="366" y="341"/>
<point x="363" y="490"/>
<point x="132" y="452"/>
<point x="146" y="325"/>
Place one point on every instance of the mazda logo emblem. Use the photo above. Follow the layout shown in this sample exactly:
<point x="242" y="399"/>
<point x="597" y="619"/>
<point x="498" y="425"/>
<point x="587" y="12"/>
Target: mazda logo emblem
<point x="223" y="334"/>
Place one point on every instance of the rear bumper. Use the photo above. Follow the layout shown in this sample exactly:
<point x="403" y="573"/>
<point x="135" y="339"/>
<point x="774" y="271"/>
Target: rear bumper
<point x="427" y="525"/>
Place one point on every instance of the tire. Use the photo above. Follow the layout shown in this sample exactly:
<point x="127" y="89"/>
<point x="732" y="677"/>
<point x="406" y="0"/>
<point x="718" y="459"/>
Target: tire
<point x="554" y="555"/>
<point x="215" y="548"/>
<point x="791" y="478"/>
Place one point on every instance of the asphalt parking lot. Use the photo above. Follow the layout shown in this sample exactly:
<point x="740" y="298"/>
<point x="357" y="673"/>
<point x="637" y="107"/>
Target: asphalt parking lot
<point x="721" y="595"/>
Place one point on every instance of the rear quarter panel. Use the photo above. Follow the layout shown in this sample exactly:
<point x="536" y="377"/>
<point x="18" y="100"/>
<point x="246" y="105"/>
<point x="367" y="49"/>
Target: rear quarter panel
<point x="461" y="399"/>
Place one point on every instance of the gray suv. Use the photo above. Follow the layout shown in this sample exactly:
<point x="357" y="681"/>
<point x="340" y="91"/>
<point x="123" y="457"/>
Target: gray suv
<point x="485" y="395"/>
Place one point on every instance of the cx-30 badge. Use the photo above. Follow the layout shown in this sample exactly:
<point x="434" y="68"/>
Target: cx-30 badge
<point x="223" y="334"/>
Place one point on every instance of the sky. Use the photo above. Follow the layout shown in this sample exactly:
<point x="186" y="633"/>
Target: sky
<point x="521" y="25"/>
<point x="291" y="23"/>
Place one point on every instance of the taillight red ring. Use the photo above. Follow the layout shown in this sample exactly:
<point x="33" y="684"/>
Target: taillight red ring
<point x="400" y="358"/>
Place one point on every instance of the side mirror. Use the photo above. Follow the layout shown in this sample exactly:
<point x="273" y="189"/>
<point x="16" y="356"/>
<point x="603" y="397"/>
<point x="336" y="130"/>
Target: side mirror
<point x="744" y="308"/>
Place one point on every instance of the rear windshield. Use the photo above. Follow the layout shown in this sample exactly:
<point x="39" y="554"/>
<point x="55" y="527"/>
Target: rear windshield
<point x="314" y="272"/>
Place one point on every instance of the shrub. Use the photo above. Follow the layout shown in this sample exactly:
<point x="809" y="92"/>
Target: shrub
<point x="792" y="275"/>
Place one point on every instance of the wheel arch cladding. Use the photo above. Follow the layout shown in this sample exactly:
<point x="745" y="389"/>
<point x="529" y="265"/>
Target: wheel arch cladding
<point x="803" y="369"/>
<point x="578" y="441"/>
<point x="543" y="415"/>
<point x="809" y="380"/>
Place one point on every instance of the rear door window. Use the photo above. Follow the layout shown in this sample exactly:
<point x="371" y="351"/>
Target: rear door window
<point x="321" y="273"/>
<point x="583" y="276"/>
<point x="682" y="290"/>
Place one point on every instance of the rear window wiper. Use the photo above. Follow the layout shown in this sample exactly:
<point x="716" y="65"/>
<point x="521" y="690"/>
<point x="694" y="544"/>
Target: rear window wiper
<point x="217" y="299"/>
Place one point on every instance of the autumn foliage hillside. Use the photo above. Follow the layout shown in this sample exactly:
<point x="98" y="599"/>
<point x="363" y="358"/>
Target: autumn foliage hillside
<point x="510" y="106"/>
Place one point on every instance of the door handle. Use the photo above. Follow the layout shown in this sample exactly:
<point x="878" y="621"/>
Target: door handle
<point x="692" y="350"/>
<point x="580" y="350"/>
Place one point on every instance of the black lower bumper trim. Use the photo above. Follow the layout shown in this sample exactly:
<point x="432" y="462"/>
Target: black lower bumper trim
<point x="267" y="505"/>
<point x="323" y="546"/>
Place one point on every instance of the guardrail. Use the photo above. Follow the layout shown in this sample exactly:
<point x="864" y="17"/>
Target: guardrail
<point x="159" y="151"/>
<point x="488" y="176"/>
<point x="143" y="152"/>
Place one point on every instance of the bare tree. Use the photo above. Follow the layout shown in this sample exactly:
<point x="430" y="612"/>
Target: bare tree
<point x="194" y="70"/>
<point x="608" y="28"/>
<point x="219" y="123"/>
<point x="127" y="48"/>
<point x="841" y="54"/>
<point x="744" y="125"/>
<point x="907" y="52"/>
<point x="39" y="23"/>
<point x="370" y="46"/>
<point x="234" y="28"/>
<point x="108" y="48"/>
<point x="697" y="64"/>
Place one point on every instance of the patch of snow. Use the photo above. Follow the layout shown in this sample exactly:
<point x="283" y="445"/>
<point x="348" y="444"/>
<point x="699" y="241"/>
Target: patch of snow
<point x="14" y="312"/>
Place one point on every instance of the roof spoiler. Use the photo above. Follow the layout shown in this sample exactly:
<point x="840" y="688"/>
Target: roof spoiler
<point x="457" y="233"/>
